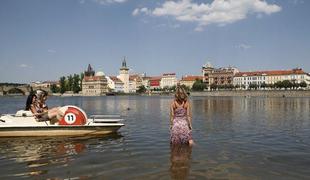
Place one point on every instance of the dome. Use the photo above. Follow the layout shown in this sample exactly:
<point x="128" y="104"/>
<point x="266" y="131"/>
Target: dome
<point x="100" y="73"/>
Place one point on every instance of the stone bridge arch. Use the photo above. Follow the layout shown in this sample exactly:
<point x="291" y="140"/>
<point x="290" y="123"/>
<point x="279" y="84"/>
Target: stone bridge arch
<point x="9" y="90"/>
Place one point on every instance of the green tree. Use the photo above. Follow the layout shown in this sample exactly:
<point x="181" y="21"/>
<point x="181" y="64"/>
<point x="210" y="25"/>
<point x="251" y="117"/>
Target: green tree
<point x="76" y="83"/>
<point x="303" y="84"/>
<point x="81" y="79"/>
<point x="287" y="84"/>
<point x="213" y="86"/>
<point x="278" y="84"/>
<point x="198" y="85"/>
<point x="141" y="89"/>
<point x="253" y="86"/>
<point x="54" y="88"/>
<point x="69" y="86"/>
<point x="172" y="88"/>
<point x="237" y="86"/>
<point x="62" y="84"/>
<point x="263" y="85"/>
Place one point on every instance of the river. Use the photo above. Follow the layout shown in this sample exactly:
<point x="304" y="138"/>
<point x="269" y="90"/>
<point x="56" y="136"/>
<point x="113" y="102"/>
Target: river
<point x="236" y="138"/>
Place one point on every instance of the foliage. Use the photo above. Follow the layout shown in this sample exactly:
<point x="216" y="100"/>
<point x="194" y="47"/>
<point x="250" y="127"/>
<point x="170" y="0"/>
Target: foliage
<point x="62" y="82"/>
<point x="141" y="89"/>
<point x="71" y="83"/>
<point x="198" y="85"/>
<point x="55" y="89"/>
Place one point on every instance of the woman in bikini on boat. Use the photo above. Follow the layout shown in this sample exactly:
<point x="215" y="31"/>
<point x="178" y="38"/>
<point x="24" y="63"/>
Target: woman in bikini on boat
<point x="41" y="111"/>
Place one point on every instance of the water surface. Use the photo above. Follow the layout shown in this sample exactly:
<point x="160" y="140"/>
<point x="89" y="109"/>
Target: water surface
<point x="236" y="138"/>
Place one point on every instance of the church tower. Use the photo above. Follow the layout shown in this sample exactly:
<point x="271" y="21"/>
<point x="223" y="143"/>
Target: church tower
<point x="124" y="76"/>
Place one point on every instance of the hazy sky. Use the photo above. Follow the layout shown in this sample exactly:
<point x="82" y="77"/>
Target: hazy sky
<point x="46" y="39"/>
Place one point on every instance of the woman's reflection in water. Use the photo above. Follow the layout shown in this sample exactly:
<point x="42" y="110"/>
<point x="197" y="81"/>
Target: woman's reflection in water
<point x="180" y="161"/>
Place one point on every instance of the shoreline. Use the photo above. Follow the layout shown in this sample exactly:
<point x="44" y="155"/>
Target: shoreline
<point x="253" y="93"/>
<point x="221" y="93"/>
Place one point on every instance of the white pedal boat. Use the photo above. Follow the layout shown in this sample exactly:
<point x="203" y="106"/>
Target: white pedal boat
<point x="74" y="123"/>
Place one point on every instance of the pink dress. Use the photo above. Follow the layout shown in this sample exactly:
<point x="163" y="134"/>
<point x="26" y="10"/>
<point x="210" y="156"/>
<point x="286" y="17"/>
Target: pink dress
<point x="180" y="132"/>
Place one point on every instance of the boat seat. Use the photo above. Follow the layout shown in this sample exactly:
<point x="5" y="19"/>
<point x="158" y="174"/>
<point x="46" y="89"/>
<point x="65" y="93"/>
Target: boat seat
<point x="23" y="113"/>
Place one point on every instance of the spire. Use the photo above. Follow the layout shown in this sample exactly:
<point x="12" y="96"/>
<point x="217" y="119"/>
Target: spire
<point x="124" y="62"/>
<point x="89" y="68"/>
<point x="124" y="65"/>
<point x="89" y="71"/>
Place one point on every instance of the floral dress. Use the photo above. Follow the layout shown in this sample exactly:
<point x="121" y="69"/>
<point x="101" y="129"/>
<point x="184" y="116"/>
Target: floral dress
<point x="180" y="132"/>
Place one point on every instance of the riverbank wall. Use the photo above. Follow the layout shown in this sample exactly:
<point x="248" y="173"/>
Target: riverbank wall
<point x="253" y="93"/>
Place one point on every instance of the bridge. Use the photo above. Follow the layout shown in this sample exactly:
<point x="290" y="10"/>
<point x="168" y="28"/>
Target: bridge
<point x="18" y="89"/>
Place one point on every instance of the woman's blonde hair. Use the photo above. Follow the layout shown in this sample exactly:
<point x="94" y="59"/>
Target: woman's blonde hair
<point x="180" y="94"/>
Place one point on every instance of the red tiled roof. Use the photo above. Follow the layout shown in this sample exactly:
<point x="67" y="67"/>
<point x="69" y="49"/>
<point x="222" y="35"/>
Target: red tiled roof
<point x="270" y="73"/>
<point x="191" y="78"/>
<point x="115" y="79"/>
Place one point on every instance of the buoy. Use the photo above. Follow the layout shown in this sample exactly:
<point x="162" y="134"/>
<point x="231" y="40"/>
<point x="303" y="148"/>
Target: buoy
<point x="73" y="116"/>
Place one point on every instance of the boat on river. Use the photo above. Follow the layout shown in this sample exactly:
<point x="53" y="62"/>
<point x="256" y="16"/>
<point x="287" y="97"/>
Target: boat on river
<point x="74" y="123"/>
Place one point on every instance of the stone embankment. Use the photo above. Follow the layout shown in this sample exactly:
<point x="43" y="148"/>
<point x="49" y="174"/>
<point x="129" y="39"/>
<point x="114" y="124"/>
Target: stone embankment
<point x="252" y="93"/>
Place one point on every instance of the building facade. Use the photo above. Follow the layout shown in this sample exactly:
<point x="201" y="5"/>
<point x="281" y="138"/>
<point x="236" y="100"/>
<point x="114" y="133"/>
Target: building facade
<point x="155" y="82"/>
<point x="245" y="79"/>
<point x="94" y="84"/>
<point x="168" y="80"/>
<point x="115" y="84"/>
<point x="189" y="80"/>
<point x="218" y="76"/>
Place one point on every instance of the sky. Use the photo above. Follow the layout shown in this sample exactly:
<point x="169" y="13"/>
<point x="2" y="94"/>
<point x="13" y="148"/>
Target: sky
<point x="46" y="39"/>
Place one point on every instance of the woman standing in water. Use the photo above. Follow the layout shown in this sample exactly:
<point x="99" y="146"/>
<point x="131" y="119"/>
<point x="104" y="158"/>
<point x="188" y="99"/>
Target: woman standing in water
<point x="181" y="118"/>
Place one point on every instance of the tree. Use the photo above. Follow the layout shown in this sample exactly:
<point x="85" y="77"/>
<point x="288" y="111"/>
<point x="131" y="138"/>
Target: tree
<point x="75" y="84"/>
<point x="263" y="85"/>
<point x="81" y="79"/>
<point x="303" y="84"/>
<point x="278" y="84"/>
<point x="62" y="84"/>
<point x="213" y="86"/>
<point x="69" y="83"/>
<point x="198" y="85"/>
<point x="141" y="89"/>
<point x="287" y="84"/>
<point x="54" y="88"/>
<point x="237" y="86"/>
<point x="253" y="86"/>
<point x="172" y="88"/>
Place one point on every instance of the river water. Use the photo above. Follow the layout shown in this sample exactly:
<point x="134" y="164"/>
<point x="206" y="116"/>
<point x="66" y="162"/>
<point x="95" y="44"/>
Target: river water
<point x="236" y="138"/>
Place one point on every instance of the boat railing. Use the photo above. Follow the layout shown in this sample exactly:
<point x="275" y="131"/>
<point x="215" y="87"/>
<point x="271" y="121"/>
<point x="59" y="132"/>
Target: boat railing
<point x="105" y="116"/>
<point x="111" y="118"/>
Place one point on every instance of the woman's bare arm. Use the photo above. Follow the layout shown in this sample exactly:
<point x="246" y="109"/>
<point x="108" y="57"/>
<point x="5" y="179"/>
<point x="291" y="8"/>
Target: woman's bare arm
<point x="189" y="114"/>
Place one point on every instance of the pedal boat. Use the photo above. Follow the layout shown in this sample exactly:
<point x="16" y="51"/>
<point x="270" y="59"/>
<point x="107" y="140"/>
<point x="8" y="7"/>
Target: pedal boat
<point x="73" y="123"/>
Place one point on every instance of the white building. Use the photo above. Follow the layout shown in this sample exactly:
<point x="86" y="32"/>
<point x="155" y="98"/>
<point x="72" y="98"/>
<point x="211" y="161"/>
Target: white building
<point x="271" y="77"/>
<point x="115" y="84"/>
<point x="168" y="80"/>
<point x="124" y="76"/>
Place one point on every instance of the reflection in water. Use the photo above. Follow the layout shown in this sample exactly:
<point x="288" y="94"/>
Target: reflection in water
<point x="36" y="154"/>
<point x="180" y="158"/>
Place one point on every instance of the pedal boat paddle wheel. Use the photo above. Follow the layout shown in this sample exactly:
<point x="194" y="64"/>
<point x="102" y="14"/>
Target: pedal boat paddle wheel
<point x="74" y="123"/>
